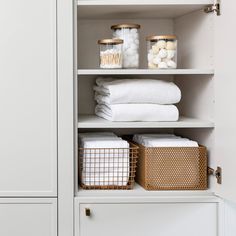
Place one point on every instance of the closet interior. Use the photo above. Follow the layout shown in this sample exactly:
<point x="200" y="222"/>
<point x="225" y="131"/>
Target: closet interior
<point x="194" y="75"/>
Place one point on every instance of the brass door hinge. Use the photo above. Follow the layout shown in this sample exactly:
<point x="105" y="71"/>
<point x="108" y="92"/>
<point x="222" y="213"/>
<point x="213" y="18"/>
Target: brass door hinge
<point x="213" y="8"/>
<point x="217" y="173"/>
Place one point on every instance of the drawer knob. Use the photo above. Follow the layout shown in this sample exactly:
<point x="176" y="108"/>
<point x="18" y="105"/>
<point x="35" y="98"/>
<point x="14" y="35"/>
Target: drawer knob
<point x="87" y="212"/>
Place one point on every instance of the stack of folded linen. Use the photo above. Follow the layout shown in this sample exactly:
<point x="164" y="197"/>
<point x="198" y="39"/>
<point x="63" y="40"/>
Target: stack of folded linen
<point x="136" y="99"/>
<point x="104" y="159"/>
<point x="163" y="140"/>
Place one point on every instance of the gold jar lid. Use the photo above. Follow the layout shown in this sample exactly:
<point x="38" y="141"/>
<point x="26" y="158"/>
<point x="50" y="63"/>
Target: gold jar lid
<point x="159" y="37"/>
<point x="130" y="26"/>
<point x="110" y="41"/>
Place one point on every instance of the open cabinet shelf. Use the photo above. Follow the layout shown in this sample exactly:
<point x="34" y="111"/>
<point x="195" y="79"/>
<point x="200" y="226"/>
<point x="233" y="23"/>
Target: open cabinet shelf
<point x="138" y="191"/>
<point x="138" y="8"/>
<point x="145" y="72"/>
<point x="92" y="121"/>
<point x="195" y="32"/>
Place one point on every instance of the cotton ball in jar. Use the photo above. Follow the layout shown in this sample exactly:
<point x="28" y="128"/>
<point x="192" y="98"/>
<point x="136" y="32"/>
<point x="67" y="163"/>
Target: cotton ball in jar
<point x="162" y="53"/>
<point x="162" y="65"/>
<point x="171" y="64"/>
<point x="161" y="44"/>
<point x="134" y="31"/>
<point x="134" y="46"/>
<point x="170" y="54"/>
<point x="170" y="45"/>
<point x="156" y="60"/>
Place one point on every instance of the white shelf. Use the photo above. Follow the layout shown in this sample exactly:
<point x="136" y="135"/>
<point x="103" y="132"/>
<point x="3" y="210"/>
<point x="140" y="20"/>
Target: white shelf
<point x="138" y="191"/>
<point x="105" y="9"/>
<point x="145" y="72"/>
<point x="92" y="121"/>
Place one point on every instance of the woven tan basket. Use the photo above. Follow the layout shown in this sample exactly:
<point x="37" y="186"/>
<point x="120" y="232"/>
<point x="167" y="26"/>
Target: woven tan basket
<point x="172" y="168"/>
<point x="108" y="168"/>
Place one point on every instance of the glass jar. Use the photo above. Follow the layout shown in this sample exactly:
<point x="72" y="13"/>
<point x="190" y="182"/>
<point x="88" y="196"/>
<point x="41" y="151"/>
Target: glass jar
<point x="162" y="52"/>
<point x="110" y="53"/>
<point x="130" y="34"/>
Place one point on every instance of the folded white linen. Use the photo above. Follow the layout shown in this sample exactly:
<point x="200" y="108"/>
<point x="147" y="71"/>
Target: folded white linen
<point x="97" y="135"/>
<point x="89" y="169"/>
<point x="162" y="140"/>
<point x="105" y="179"/>
<point x="104" y="153"/>
<point x="136" y="91"/>
<point x="138" y="112"/>
<point x="138" y="138"/>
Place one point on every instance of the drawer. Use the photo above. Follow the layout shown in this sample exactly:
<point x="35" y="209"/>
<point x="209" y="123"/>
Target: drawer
<point x="149" y="219"/>
<point x="28" y="217"/>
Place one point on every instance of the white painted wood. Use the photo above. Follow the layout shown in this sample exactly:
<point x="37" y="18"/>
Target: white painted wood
<point x="92" y="121"/>
<point x="225" y="110"/>
<point x="137" y="8"/>
<point x="229" y="218"/>
<point x="138" y="219"/>
<point x="28" y="120"/>
<point x="27" y="217"/>
<point x="138" y="191"/>
<point x="145" y="72"/>
<point x="67" y="120"/>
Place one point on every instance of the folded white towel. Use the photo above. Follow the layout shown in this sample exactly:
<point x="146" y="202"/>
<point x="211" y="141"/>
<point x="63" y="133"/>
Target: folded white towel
<point x="138" y="112"/>
<point x="97" y="135"/>
<point x="104" y="159"/>
<point x="138" y="138"/>
<point x="105" y="179"/>
<point x="161" y="140"/>
<point x="125" y="91"/>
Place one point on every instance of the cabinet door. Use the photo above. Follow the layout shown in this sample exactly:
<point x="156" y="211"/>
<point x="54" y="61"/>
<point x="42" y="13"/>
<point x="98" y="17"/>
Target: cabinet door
<point x="28" y="217"/>
<point x="165" y="219"/>
<point x="225" y="97"/>
<point x="28" y="122"/>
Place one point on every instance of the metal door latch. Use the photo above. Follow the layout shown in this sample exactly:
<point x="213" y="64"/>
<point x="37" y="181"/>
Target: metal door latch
<point x="217" y="173"/>
<point x="213" y="8"/>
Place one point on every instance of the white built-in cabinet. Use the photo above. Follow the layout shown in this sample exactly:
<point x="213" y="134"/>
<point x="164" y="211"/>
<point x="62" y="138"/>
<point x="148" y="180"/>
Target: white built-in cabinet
<point x="28" y="98"/>
<point x="48" y="66"/>
<point x="28" y="118"/>
<point x="27" y="217"/>
<point x="205" y="76"/>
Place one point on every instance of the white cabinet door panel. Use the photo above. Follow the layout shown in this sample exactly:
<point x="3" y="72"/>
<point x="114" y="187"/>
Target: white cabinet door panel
<point x="225" y="97"/>
<point x="179" y="219"/>
<point x="28" y="107"/>
<point x="28" y="217"/>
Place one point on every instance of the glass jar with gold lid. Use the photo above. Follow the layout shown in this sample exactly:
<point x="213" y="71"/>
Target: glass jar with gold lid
<point x="130" y="34"/>
<point x="162" y="52"/>
<point x="110" y="53"/>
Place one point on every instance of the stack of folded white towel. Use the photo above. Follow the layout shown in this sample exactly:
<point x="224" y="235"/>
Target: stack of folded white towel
<point x="136" y="99"/>
<point x="104" y="159"/>
<point x="163" y="140"/>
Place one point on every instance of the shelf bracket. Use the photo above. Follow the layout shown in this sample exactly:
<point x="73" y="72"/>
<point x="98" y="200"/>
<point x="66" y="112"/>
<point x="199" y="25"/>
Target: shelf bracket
<point x="213" y="8"/>
<point x="217" y="173"/>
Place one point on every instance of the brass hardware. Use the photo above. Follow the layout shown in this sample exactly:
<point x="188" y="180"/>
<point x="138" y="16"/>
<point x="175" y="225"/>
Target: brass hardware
<point x="217" y="173"/>
<point x="213" y="8"/>
<point x="87" y="212"/>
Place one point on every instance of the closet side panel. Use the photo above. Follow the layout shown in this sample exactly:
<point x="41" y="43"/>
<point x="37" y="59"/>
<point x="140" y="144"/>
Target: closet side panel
<point x="28" y="83"/>
<point x="225" y="109"/>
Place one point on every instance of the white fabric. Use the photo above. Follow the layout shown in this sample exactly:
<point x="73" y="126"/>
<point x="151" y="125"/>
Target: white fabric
<point x="138" y="112"/>
<point x="105" y="159"/>
<point x="163" y="140"/>
<point x="105" y="179"/>
<point x="124" y="91"/>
